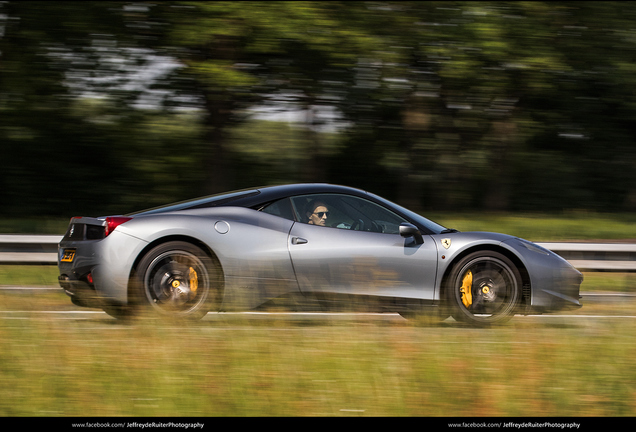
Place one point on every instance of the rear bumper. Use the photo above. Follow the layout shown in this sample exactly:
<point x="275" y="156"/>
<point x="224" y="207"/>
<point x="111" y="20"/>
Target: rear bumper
<point x="81" y="292"/>
<point x="100" y="270"/>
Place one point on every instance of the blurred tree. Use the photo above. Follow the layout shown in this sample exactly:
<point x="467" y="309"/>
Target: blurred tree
<point x="465" y="72"/>
<point x="71" y="139"/>
<point x="38" y="136"/>
<point x="452" y="105"/>
<point x="484" y="92"/>
<point x="238" y="55"/>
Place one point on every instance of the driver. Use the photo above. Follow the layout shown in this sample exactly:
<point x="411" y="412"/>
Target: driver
<point x="317" y="213"/>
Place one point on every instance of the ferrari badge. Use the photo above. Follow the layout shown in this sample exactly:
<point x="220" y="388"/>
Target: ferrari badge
<point x="446" y="242"/>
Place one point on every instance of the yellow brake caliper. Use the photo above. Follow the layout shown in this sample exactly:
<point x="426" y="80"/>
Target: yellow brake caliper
<point x="194" y="280"/>
<point x="466" y="289"/>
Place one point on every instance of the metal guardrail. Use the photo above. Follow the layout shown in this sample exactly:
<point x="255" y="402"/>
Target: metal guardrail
<point x="29" y="249"/>
<point x="618" y="257"/>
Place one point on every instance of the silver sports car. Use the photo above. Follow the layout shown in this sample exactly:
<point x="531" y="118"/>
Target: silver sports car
<point x="305" y="246"/>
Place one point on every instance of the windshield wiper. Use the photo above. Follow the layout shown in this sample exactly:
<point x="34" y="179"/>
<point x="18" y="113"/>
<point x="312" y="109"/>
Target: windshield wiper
<point x="449" y="231"/>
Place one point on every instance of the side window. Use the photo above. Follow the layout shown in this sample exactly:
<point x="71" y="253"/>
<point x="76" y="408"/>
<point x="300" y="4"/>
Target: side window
<point x="345" y="212"/>
<point x="281" y="208"/>
<point x="369" y="216"/>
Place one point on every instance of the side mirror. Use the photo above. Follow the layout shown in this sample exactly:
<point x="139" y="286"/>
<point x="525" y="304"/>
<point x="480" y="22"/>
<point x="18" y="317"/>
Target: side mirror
<point x="408" y="230"/>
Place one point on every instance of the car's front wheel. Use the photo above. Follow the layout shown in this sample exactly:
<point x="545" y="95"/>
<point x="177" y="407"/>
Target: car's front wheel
<point x="177" y="280"/>
<point x="484" y="288"/>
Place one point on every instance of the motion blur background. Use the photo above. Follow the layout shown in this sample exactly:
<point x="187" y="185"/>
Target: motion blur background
<point x="109" y="107"/>
<point x="484" y="111"/>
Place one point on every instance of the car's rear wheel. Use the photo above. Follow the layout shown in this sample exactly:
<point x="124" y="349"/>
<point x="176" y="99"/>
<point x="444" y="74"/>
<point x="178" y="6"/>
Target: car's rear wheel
<point x="484" y="288"/>
<point x="177" y="280"/>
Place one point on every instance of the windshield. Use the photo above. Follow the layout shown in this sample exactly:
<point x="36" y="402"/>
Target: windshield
<point x="435" y="228"/>
<point x="201" y="202"/>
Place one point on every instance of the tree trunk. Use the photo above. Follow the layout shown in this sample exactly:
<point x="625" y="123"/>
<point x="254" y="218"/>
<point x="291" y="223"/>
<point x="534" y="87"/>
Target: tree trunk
<point x="497" y="196"/>
<point x="314" y="170"/>
<point x="218" y="177"/>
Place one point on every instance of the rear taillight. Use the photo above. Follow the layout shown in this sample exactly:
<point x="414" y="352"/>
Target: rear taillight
<point x="113" y="222"/>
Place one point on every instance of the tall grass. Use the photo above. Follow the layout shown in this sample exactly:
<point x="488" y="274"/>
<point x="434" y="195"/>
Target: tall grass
<point x="95" y="367"/>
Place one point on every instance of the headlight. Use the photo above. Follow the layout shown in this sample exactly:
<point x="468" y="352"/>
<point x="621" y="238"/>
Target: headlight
<point x="534" y="247"/>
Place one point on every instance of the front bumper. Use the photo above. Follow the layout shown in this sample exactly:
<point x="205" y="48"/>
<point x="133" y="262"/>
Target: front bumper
<point x="557" y="289"/>
<point x="555" y="283"/>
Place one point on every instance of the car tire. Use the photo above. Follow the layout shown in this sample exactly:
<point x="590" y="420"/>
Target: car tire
<point x="483" y="288"/>
<point x="177" y="280"/>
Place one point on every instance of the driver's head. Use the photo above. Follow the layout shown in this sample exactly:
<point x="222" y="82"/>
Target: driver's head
<point x="317" y="213"/>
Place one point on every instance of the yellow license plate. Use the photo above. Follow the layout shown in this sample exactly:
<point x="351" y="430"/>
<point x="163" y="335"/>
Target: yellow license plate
<point x="68" y="255"/>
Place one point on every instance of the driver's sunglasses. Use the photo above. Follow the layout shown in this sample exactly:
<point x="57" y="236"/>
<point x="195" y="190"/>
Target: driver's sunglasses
<point x="321" y="214"/>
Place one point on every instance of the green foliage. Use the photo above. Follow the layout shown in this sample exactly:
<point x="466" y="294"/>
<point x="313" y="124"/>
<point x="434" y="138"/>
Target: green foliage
<point x="489" y="106"/>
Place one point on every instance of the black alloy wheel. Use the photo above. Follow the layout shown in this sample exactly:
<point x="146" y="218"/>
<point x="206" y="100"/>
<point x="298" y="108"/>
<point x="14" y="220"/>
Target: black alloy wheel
<point x="484" y="288"/>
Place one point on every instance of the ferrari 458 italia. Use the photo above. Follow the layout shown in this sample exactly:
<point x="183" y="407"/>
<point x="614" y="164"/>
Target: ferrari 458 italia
<point x="305" y="245"/>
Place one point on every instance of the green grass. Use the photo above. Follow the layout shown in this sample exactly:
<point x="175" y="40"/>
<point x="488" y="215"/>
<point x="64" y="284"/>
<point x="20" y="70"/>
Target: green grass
<point x="28" y="275"/>
<point x="95" y="366"/>
<point x="609" y="282"/>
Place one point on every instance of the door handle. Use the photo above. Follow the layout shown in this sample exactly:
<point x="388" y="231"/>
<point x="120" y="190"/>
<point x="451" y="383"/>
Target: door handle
<point x="298" y="240"/>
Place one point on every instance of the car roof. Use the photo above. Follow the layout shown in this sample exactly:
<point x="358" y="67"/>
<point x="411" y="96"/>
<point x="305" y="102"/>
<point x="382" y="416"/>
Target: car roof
<point x="272" y="193"/>
<point x="257" y="198"/>
<point x="254" y="197"/>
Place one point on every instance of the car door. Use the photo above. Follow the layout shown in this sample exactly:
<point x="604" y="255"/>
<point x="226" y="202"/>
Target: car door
<point x="359" y="251"/>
